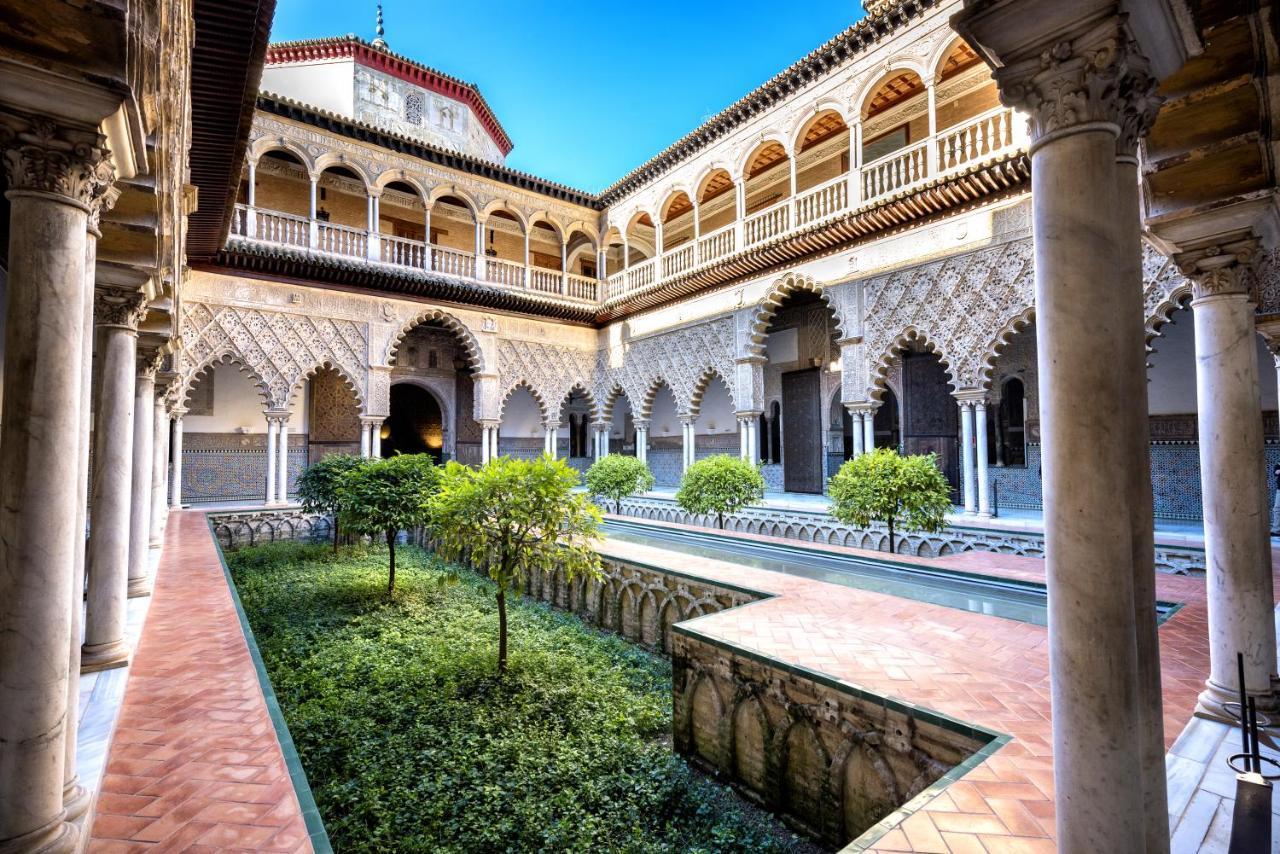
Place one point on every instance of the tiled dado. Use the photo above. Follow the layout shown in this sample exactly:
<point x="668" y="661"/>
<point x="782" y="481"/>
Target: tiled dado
<point x="233" y="466"/>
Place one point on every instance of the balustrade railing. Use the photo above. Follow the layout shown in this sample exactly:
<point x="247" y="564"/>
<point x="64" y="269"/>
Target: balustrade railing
<point x="895" y="170"/>
<point x="982" y="137"/>
<point x="343" y="240"/>
<point x="718" y="244"/>
<point x="453" y="262"/>
<point x="678" y="260"/>
<point x="822" y="201"/>
<point x="767" y="224"/>
<point x="547" y="281"/>
<point x="405" y="253"/>
<point x="583" y="287"/>
<point x="979" y="137"/>
<point x="504" y="272"/>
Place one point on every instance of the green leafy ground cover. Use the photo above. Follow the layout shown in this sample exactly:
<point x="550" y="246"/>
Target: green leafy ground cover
<point x="411" y="743"/>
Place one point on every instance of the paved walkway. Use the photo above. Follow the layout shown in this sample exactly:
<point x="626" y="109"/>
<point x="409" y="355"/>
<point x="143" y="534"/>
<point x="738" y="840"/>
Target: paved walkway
<point x="988" y="670"/>
<point x="194" y="763"/>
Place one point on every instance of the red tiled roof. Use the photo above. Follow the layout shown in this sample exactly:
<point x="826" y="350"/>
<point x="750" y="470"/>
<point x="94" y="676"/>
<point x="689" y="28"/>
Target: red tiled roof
<point x="397" y="66"/>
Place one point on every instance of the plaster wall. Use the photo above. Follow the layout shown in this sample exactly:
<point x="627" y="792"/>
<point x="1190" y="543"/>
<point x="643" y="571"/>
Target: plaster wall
<point x="326" y="84"/>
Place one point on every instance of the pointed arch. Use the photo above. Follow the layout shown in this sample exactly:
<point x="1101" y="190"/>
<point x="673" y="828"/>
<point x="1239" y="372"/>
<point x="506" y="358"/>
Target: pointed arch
<point x="580" y="385"/>
<point x="651" y="392"/>
<point x="533" y="392"/>
<point x="352" y="384"/>
<point x="223" y="356"/>
<point x="468" y="340"/>
<point x="911" y="339"/>
<point x="987" y="363"/>
<point x="700" y="386"/>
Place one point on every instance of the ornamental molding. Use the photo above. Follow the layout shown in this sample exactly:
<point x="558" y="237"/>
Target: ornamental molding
<point x="43" y="156"/>
<point x="279" y="349"/>
<point x="549" y="371"/>
<point x="118" y="307"/>
<point x="1220" y="269"/>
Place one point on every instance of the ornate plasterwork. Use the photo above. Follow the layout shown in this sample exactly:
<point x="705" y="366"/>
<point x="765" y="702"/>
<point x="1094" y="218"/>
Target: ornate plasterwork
<point x="280" y="348"/>
<point x="951" y="305"/>
<point x="681" y="358"/>
<point x="550" y="371"/>
<point x="43" y="156"/>
<point x="1220" y="269"/>
<point x="1164" y="289"/>
<point x="837" y="299"/>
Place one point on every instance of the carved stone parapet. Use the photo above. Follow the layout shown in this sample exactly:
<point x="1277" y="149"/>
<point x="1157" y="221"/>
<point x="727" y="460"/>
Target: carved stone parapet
<point x="1220" y="269"/>
<point x="43" y="156"/>
<point x="119" y="307"/>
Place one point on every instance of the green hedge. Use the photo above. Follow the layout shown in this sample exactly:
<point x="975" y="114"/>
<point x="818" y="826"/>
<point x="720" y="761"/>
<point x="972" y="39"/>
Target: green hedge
<point x="410" y="743"/>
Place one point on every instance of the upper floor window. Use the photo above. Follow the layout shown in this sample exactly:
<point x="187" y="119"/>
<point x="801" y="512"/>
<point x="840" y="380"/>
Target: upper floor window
<point x="413" y="108"/>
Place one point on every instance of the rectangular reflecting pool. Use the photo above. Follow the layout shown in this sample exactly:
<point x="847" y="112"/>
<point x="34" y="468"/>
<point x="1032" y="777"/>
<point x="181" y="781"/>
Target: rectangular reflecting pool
<point x="1011" y="599"/>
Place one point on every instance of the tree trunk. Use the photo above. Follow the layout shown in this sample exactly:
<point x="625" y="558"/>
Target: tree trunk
<point x="720" y="520"/>
<point x="335" y="534"/>
<point x="502" y="631"/>
<point x="892" y="548"/>
<point x="391" y="547"/>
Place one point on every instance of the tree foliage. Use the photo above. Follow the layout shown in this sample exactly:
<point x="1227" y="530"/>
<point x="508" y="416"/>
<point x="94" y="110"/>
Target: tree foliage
<point x="513" y="517"/>
<point x="319" y="482"/>
<point x="907" y="492"/>
<point x="618" y="476"/>
<point x="722" y="485"/>
<point x="385" y="497"/>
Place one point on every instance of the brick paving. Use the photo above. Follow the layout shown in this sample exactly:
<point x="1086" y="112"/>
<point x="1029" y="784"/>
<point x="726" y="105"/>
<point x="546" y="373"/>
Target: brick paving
<point x="194" y="764"/>
<point x="986" y="670"/>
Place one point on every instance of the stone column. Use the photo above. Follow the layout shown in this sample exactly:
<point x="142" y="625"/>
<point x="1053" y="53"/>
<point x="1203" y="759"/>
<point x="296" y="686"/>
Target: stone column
<point x="140" y="500"/>
<point x="366" y="445"/>
<point x="689" y="441"/>
<point x="1237" y="561"/>
<point x="855" y="416"/>
<point x="159" y="471"/>
<point x="967" y="485"/>
<point x="273" y="436"/>
<point x="868" y="430"/>
<point x="117" y="313"/>
<point x="175" y="448"/>
<point x="980" y="437"/>
<point x="282" y="461"/>
<point x="55" y="175"/>
<point x="642" y="440"/>
<point x="375" y="439"/>
<point x="549" y="442"/>
<point x="603" y="431"/>
<point x="1087" y="353"/>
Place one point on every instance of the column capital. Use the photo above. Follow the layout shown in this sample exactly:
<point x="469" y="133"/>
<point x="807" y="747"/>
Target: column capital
<point x="1221" y="268"/>
<point x="489" y="423"/>
<point x="688" y="419"/>
<point x="150" y="360"/>
<point x="640" y="423"/>
<point x="748" y="414"/>
<point x="372" y="420"/>
<point x="858" y="407"/>
<point x="551" y="425"/>
<point x="971" y="397"/>
<point x="46" y="157"/>
<point x="118" y="307"/>
<point x="274" y="417"/>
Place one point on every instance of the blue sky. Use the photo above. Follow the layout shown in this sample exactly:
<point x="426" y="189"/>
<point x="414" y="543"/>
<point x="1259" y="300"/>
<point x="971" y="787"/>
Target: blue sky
<point x="589" y="91"/>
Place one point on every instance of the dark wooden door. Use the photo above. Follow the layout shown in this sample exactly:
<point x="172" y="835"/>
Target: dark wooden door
<point x="931" y="417"/>
<point x="802" y="431"/>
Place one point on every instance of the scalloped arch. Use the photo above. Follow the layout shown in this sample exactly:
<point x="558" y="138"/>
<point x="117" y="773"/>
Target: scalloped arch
<point x="347" y="380"/>
<point x="475" y="356"/>
<point x="911" y="339"/>
<point x="225" y="356"/>
<point x="1015" y="325"/>
<point x="772" y="301"/>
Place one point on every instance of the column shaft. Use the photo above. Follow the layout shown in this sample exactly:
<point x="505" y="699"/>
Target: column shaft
<point x="365" y="447"/>
<point x="39" y="476"/>
<point x="980" y="441"/>
<point x="375" y="439"/>
<point x="140" y="500"/>
<point x="112" y="486"/>
<point x="175" y="469"/>
<point x="869" y="431"/>
<point x="159" y="471"/>
<point x="1082" y="346"/>
<point x="859" y="447"/>
<point x="968" y="492"/>
<point x="1238" y="583"/>
<point x="282" y="463"/>
<point x="273" y="432"/>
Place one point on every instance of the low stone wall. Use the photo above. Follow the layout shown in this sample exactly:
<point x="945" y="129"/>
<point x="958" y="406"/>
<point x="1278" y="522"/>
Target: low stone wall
<point x="234" y="529"/>
<point x="814" y="527"/>
<point x="833" y="760"/>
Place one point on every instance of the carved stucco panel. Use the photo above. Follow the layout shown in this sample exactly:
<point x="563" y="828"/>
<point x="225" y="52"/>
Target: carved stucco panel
<point x="680" y="358"/>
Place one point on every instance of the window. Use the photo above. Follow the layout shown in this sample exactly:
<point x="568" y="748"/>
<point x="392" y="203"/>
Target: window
<point x="413" y="109"/>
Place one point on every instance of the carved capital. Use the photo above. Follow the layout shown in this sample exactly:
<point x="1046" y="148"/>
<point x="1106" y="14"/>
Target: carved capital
<point x="42" y="156"/>
<point x="1069" y="85"/>
<point x="150" y="361"/>
<point x="118" y="307"/>
<point x="1139" y="101"/>
<point x="100" y="205"/>
<point x="1220" y="269"/>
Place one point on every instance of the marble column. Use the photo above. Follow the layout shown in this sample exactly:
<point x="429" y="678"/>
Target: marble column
<point x="980" y="451"/>
<point x="140" y="498"/>
<point x="1085" y="355"/>
<point x="551" y="428"/>
<point x="364" y="438"/>
<point x="869" y="430"/>
<point x="273" y="436"/>
<point x="1237" y="561"/>
<point x="159" y="471"/>
<point x="282" y="460"/>
<point x="55" y="174"/>
<point x="855" y="416"/>
<point x="967" y="485"/>
<point x="375" y="439"/>
<point x="642" y="440"/>
<point x="603" y="431"/>
<point x="175" y="466"/>
<point x="116" y="315"/>
<point x="688" y="443"/>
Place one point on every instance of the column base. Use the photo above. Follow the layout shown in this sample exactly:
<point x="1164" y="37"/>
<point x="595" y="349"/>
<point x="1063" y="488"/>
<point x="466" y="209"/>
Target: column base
<point x="108" y="656"/>
<point x="139" y="587"/>
<point x="75" y="799"/>
<point x="1212" y="700"/>
<point x="56" y="837"/>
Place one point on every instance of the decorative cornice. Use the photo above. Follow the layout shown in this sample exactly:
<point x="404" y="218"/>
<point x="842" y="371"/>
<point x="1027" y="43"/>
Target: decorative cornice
<point x="43" y="156"/>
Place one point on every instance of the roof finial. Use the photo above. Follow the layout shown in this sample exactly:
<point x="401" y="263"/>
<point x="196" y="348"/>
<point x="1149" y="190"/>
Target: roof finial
<point x="380" y="41"/>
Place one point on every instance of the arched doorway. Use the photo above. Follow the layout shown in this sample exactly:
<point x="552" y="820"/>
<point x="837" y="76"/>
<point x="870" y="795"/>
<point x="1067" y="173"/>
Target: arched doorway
<point x="416" y="423"/>
<point x="886" y="424"/>
<point x="931" y="422"/>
